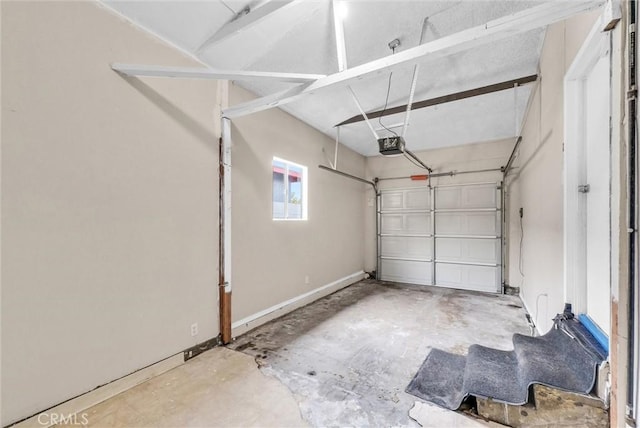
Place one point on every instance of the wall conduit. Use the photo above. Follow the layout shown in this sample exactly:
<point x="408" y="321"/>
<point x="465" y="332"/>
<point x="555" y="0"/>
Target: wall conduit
<point x="632" y="362"/>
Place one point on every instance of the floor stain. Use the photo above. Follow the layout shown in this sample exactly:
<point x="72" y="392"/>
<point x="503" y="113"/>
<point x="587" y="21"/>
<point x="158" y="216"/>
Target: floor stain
<point x="365" y="343"/>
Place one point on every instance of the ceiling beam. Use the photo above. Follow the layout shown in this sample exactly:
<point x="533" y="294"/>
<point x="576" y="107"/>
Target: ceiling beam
<point x="338" y="27"/>
<point x="210" y="73"/>
<point x="502" y="28"/>
<point x="243" y="22"/>
<point x="509" y="84"/>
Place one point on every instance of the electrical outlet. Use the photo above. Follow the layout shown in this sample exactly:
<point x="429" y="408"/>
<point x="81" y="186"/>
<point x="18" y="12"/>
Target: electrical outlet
<point x="306" y="279"/>
<point x="521" y="212"/>
<point x="194" y="329"/>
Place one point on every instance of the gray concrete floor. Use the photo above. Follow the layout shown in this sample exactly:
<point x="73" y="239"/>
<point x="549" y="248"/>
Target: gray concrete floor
<point x="348" y="357"/>
<point x="343" y="360"/>
<point x="218" y="388"/>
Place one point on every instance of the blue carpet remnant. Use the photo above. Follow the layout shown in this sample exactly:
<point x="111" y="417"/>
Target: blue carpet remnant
<point x="558" y="359"/>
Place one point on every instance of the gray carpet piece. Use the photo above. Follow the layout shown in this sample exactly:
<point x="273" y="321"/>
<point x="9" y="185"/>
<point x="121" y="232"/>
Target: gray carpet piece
<point x="490" y="372"/>
<point x="556" y="359"/>
<point x="584" y="337"/>
<point x="439" y="379"/>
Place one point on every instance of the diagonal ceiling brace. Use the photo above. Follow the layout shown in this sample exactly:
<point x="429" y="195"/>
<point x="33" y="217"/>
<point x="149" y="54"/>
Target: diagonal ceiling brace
<point x="509" y="84"/>
<point x="366" y="119"/>
<point x="414" y="81"/>
<point x="517" y="23"/>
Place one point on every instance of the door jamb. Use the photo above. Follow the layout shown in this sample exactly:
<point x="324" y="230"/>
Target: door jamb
<point x="574" y="174"/>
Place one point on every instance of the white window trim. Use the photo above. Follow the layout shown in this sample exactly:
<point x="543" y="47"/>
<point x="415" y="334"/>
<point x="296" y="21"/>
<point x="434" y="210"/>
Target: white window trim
<point x="305" y="191"/>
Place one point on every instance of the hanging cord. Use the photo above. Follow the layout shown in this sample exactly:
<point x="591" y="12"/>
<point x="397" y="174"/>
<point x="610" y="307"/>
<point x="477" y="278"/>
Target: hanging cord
<point x="386" y="103"/>
<point x="393" y="45"/>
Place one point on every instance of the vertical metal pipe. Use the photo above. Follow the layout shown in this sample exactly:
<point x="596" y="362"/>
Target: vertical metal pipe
<point x="632" y="363"/>
<point x="225" y="231"/>
<point x="501" y="193"/>
<point x="432" y="196"/>
<point x="378" y="237"/>
<point x="503" y="243"/>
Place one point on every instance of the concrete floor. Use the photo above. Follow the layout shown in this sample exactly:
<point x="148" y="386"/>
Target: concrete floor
<point x="344" y="360"/>
<point x="347" y="358"/>
<point x="218" y="388"/>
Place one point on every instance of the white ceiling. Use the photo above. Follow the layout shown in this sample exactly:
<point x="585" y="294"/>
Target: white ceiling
<point x="300" y="38"/>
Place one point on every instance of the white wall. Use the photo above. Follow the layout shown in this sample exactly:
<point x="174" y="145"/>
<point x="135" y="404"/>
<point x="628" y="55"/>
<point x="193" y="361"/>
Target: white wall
<point x="272" y="258"/>
<point x="479" y="156"/>
<point x="536" y="182"/>
<point x="109" y="204"/>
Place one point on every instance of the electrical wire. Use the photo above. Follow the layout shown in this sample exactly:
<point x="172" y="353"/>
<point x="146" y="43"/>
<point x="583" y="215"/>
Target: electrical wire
<point x="386" y="103"/>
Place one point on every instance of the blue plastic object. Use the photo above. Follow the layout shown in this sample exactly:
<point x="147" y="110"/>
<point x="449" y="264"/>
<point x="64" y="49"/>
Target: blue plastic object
<point x="595" y="331"/>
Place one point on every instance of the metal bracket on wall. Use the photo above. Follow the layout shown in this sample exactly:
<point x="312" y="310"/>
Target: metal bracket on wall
<point x="201" y="347"/>
<point x="584" y="188"/>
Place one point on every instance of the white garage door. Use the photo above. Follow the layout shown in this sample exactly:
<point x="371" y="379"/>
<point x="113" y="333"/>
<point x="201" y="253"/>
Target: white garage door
<point x="406" y="236"/>
<point x="463" y="253"/>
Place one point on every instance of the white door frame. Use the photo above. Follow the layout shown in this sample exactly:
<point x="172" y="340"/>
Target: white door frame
<point x="575" y="291"/>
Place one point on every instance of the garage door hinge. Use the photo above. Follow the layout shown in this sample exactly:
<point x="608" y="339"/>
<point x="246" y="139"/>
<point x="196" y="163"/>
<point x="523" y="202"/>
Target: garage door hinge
<point x="584" y="188"/>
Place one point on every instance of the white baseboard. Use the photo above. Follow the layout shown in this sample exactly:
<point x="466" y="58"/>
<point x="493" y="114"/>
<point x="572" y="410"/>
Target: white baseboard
<point x="526" y="308"/>
<point x="83" y="402"/>
<point x="252" y="321"/>
<point x="77" y="405"/>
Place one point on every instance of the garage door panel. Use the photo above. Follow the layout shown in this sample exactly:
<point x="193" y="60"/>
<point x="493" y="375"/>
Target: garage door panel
<point x="468" y="250"/>
<point x="391" y="201"/>
<point x="407" y="271"/>
<point x="484" y="223"/>
<point x="468" y="277"/>
<point x="419" y="199"/>
<point x="410" y="199"/>
<point x="418" y="223"/>
<point x="467" y="197"/>
<point x="467" y="243"/>
<point x="413" y="223"/>
<point x="406" y="246"/>
<point x="391" y="223"/>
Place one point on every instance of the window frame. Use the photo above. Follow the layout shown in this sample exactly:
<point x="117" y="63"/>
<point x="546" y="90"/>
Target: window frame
<point x="305" y="189"/>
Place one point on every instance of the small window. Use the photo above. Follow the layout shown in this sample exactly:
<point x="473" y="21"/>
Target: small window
<point x="289" y="190"/>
